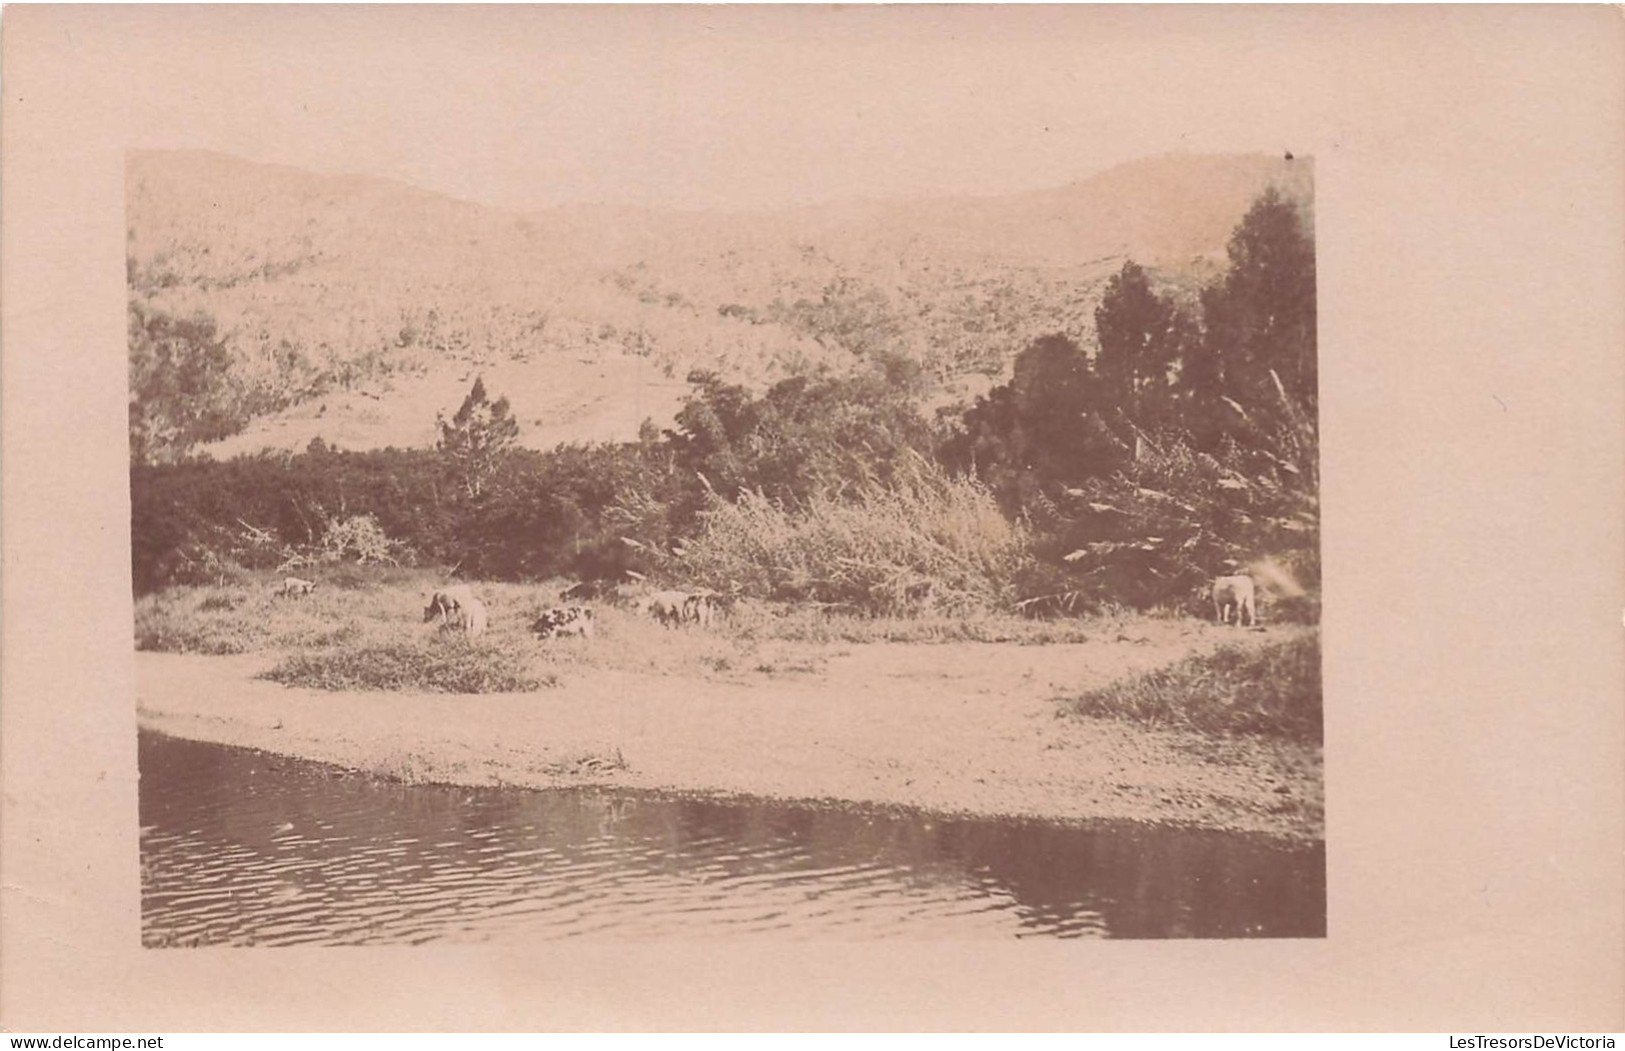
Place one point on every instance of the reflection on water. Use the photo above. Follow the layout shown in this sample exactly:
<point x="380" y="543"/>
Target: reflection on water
<point x="242" y="848"/>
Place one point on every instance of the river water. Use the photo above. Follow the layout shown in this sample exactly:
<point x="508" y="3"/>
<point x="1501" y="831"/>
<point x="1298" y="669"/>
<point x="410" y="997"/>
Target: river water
<point x="244" y="848"/>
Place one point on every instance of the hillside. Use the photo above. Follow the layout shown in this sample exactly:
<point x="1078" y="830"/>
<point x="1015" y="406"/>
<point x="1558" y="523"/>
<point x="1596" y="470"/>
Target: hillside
<point x="354" y="308"/>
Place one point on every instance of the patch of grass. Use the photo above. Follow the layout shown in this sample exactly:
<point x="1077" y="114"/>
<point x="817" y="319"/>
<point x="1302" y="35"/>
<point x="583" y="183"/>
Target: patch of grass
<point x="351" y="576"/>
<point x="1272" y="691"/>
<point x="440" y="663"/>
<point x="221" y="601"/>
<point x="223" y="621"/>
<point x="251" y="616"/>
<point x="923" y="539"/>
<point x="792" y="666"/>
<point x="807" y="623"/>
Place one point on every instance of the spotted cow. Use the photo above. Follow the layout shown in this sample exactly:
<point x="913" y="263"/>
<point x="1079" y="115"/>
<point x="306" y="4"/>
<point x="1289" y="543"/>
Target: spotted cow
<point x="561" y="621"/>
<point x="666" y="606"/>
<point x="700" y="607"/>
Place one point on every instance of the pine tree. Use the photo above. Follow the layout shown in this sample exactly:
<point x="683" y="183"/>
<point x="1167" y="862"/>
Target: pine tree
<point x="1262" y="317"/>
<point x="478" y="437"/>
<point x="1139" y="335"/>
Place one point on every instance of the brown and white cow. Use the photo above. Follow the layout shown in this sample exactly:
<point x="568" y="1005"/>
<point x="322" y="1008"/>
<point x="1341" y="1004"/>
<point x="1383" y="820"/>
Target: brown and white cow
<point x="666" y="606"/>
<point x="700" y="607"/>
<point x="561" y="621"/>
<point x="447" y="602"/>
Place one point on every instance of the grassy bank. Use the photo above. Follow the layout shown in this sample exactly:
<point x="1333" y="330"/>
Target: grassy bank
<point x="365" y="631"/>
<point x="944" y="713"/>
<point x="955" y="729"/>
<point x="1273" y="691"/>
<point x="442" y="664"/>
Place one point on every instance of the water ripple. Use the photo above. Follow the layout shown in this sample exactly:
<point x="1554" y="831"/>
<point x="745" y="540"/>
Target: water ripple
<point x="240" y="848"/>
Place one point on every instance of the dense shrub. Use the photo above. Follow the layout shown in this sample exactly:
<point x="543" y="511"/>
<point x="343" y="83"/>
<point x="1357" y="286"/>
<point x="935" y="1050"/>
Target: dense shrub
<point x="802" y="437"/>
<point x="537" y="515"/>
<point x="1156" y="531"/>
<point x="253" y="511"/>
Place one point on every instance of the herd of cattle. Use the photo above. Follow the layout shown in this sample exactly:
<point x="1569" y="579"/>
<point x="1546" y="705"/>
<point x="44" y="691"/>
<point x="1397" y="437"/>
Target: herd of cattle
<point x="457" y="608"/>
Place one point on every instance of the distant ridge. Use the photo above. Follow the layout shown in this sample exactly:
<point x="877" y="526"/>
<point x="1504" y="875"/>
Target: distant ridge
<point x="363" y="305"/>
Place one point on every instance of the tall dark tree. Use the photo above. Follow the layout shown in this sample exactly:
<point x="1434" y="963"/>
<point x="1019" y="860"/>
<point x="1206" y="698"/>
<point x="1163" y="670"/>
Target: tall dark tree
<point x="477" y="438"/>
<point x="716" y="432"/>
<point x="1139" y="334"/>
<point x="1262" y="317"/>
<point x="1203" y="380"/>
<point x="1050" y="425"/>
<point x="1055" y="391"/>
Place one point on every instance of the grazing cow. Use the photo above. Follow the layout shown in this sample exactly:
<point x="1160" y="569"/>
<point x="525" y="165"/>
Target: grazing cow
<point x="1235" y="594"/>
<point x="699" y="607"/>
<point x="564" y="620"/>
<point x="294" y="586"/>
<point x="667" y="606"/>
<point x="448" y="601"/>
<point x="717" y="604"/>
<point x="470" y="617"/>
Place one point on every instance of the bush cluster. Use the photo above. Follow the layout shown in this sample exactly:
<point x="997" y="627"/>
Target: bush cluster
<point x="924" y="539"/>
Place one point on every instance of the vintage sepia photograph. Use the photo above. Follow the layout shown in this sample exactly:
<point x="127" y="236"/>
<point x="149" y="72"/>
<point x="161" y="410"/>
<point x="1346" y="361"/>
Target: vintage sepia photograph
<point x="914" y="565"/>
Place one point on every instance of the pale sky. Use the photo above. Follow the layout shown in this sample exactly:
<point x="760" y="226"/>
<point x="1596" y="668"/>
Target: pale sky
<point x="766" y="106"/>
<point x="736" y="107"/>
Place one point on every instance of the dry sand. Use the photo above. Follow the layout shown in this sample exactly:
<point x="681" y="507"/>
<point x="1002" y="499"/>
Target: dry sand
<point x="959" y="728"/>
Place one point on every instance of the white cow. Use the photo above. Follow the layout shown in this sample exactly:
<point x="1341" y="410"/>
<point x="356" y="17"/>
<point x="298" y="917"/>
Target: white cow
<point x="1235" y="594"/>
<point x="470" y="617"/>
<point x="294" y="586"/>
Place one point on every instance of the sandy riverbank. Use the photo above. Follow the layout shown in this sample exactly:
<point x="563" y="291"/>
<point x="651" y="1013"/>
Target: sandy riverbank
<point x="962" y="728"/>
